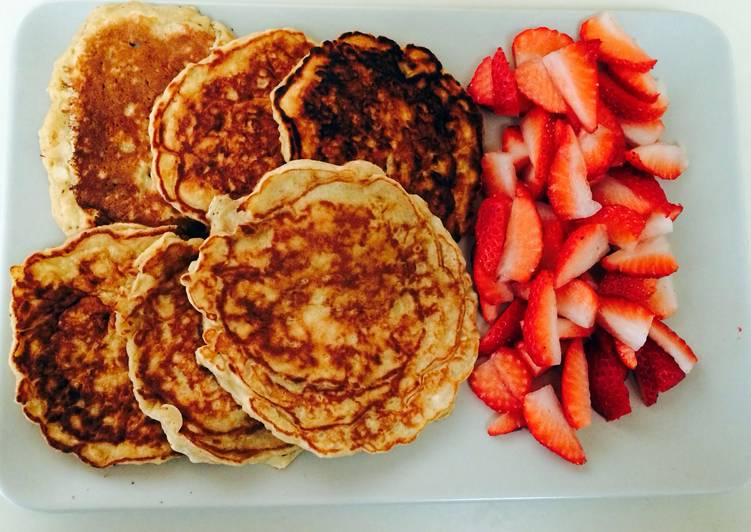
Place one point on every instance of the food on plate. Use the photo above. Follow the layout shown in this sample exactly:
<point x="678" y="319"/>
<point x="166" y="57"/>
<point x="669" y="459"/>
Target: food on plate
<point x="212" y="131"/>
<point x="337" y="309"/>
<point x="163" y="331"/>
<point x="70" y="363"/>
<point x="584" y="279"/>
<point x="365" y="97"/>
<point x="94" y="139"/>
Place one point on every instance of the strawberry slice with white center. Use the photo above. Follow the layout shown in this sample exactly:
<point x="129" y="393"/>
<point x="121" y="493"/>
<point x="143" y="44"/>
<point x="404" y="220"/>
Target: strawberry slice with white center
<point x="505" y="92"/>
<point x="577" y="301"/>
<point x="581" y="250"/>
<point x="573" y="70"/>
<point x="547" y="423"/>
<point x="667" y="161"/>
<point x="625" y="226"/>
<point x="626" y="354"/>
<point x="641" y="84"/>
<point x="498" y="174"/>
<point x="568" y="187"/>
<point x="651" y="258"/>
<point x="512" y="142"/>
<point x="505" y="423"/>
<point x="480" y="88"/>
<point x="657" y="224"/>
<point x="575" y="386"/>
<point x="673" y="345"/>
<point x="626" y="320"/>
<point x="664" y="301"/>
<point x="490" y="234"/>
<point x="567" y="329"/>
<point x="501" y="381"/>
<point x="524" y="355"/>
<point x="553" y="234"/>
<point x="490" y="290"/>
<point x="627" y="106"/>
<point x="523" y="245"/>
<point x="599" y="150"/>
<point x="538" y="131"/>
<point x="505" y="329"/>
<point x="540" y="326"/>
<point x="535" y="83"/>
<point x="536" y="43"/>
<point x="642" y="133"/>
<point x="633" y="189"/>
<point x="617" y="47"/>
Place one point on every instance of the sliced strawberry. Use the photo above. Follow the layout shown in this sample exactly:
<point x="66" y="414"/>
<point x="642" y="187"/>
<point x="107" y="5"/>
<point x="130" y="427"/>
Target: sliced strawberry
<point x="512" y="142"/>
<point x="638" y="289"/>
<point x="548" y="425"/>
<point x="655" y="372"/>
<point x="489" y="288"/>
<point x="657" y="224"/>
<point x="577" y="301"/>
<point x="505" y="329"/>
<point x="624" y="225"/>
<point x="651" y="258"/>
<point x="540" y="327"/>
<point x="489" y="311"/>
<point x="673" y="345"/>
<point x="567" y="329"/>
<point x="627" y="106"/>
<point x="664" y="302"/>
<point x="606" y="118"/>
<point x="607" y="374"/>
<point x="505" y="423"/>
<point x="490" y="233"/>
<point x="521" y="290"/>
<point x="667" y="161"/>
<point x="505" y="92"/>
<point x="582" y="249"/>
<point x="538" y="131"/>
<point x="599" y="150"/>
<point x="523" y="246"/>
<point x="480" y="88"/>
<point x="633" y="189"/>
<point x="501" y="381"/>
<point x="625" y="353"/>
<point x="498" y="174"/>
<point x="673" y="210"/>
<point x="535" y="83"/>
<point x="575" y="387"/>
<point x="640" y="84"/>
<point x="536" y="43"/>
<point x="642" y="133"/>
<point x="574" y="72"/>
<point x="553" y="234"/>
<point x="524" y="355"/>
<point x="568" y="188"/>
<point x="626" y="320"/>
<point x="617" y="47"/>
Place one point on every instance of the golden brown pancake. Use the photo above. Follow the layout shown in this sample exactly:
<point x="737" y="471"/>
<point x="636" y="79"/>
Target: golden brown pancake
<point x="163" y="331"/>
<point x="338" y="310"/>
<point x="364" y="97"/>
<point x="212" y="131"/>
<point x="94" y="140"/>
<point x="71" y="365"/>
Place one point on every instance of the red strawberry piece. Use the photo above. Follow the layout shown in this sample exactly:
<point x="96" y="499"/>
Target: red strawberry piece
<point x="658" y="224"/>
<point x="553" y="234"/>
<point x="573" y="70"/>
<point x="480" y="88"/>
<point x="505" y="92"/>
<point x="617" y="47"/>
<point x="663" y="302"/>
<point x="536" y="43"/>
<point x="575" y="386"/>
<point x="605" y="117"/>
<point x="627" y="106"/>
<point x="673" y="210"/>
<point x="626" y="320"/>
<point x="505" y="329"/>
<point x="577" y="301"/>
<point x="489" y="288"/>
<point x="624" y="225"/>
<point x="523" y="245"/>
<point x="607" y="374"/>
<point x="538" y="131"/>
<point x="524" y="355"/>
<point x="651" y="258"/>
<point x="490" y="233"/>
<point x="540" y="327"/>
<point x="633" y="189"/>
<point x="667" y="161"/>
<point x="641" y="84"/>
<point x="505" y="423"/>
<point x="598" y="149"/>
<point x="673" y="345"/>
<point x="642" y="133"/>
<point x="568" y="329"/>
<point x="489" y="311"/>
<point x="625" y="353"/>
<point x="581" y="250"/>
<point x="512" y="142"/>
<point x="521" y="290"/>
<point x="498" y="174"/>
<point x="501" y="381"/>
<point x="655" y="372"/>
<point x="638" y="289"/>
<point x="568" y="188"/>
<point x="535" y="83"/>
<point x="548" y="425"/>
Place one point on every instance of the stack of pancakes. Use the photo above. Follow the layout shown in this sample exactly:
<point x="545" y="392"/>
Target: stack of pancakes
<point x="329" y="308"/>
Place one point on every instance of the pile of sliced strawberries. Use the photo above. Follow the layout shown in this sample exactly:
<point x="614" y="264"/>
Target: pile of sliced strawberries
<point x="571" y="262"/>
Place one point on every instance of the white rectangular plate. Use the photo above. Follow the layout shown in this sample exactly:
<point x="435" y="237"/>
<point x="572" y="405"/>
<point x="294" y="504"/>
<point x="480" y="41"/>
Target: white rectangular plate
<point x="696" y="437"/>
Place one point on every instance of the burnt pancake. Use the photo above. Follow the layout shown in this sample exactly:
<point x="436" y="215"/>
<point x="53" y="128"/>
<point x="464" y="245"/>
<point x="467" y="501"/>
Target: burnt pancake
<point x="364" y="97"/>
<point x="212" y="131"/>
<point x="94" y="140"/>
<point x="71" y="366"/>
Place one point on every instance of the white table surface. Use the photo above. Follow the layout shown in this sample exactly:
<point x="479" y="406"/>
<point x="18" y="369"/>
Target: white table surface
<point x="725" y="512"/>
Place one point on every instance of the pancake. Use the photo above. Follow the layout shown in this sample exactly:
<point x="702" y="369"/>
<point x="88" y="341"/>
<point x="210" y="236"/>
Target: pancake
<point x="212" y="131"/>
<point x="71" y="365"/>
<point x="163" y="331"/>
<point x="364" y="97"/>
<point x="337" y="310"/>
<point x="94" y="140"/>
